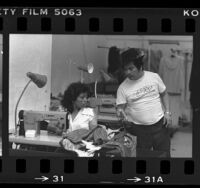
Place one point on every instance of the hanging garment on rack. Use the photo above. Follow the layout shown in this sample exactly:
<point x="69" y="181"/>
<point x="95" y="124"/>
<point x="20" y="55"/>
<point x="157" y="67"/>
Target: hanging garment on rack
<point x="188" y="68"/>
<point x="186" y="107"/>
<point x="155" y="58"/>
<point x="153" y="63"/>
<point x="171" y="71"/>
<point x="114" y="59"/>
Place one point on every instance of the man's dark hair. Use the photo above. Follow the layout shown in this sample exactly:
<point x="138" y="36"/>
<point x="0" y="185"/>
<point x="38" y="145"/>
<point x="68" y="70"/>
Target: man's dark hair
<point x="133" y="55"/>
<point x="71" y="94"/>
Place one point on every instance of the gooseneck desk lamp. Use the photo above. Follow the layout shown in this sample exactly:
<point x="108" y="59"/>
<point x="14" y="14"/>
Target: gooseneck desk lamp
<point x="88" y="69"/>
<point x="39" y="80"/>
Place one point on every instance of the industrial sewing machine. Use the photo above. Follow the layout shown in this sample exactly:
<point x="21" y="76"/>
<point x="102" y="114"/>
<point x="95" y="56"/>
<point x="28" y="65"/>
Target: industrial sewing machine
<point x="108" y="104"/>
<point x="32" y="120"/>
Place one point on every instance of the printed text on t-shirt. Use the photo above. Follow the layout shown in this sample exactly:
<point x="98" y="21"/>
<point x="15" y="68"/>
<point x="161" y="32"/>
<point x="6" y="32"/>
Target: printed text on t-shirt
<point x="147" y="90"/>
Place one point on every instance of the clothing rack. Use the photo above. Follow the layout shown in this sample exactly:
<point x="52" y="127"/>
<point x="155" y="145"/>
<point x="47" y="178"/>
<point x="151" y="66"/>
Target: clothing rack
<point x="120" y="49"/>
<point x="163" y="42"/>
<point x="103" y="47"/>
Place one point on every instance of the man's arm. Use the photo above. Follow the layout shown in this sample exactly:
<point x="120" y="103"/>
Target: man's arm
<point x="121" y="111"/>
<point x="165" y="101"/>
<point x="167" y="113"/>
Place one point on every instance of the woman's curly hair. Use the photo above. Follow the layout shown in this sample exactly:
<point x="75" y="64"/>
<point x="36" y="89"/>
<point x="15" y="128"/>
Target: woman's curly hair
<point x="71" y="94"/>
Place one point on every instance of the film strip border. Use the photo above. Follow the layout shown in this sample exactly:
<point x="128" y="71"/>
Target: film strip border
<point x="106" y="170"/>
<point x="94" y="21"/>
<point x="70" y="25"/>
<point x="104" y="21"/>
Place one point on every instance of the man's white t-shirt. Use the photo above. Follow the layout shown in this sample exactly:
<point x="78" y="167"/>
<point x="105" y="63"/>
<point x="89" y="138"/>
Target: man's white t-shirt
<point x="142" y="98"/>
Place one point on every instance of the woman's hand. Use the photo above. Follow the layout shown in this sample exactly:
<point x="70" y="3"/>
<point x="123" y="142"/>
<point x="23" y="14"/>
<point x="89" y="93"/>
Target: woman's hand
<point x="167" y="119"/>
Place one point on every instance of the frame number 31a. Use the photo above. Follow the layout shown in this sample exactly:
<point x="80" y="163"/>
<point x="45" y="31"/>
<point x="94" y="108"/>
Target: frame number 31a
<point x="153" y="179"/>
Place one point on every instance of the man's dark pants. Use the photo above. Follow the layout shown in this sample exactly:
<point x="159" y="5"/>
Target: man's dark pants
<point x="149" y="137"/>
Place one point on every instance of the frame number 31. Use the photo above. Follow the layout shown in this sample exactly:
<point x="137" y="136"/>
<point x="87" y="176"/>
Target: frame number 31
<point x="57" y="179"/>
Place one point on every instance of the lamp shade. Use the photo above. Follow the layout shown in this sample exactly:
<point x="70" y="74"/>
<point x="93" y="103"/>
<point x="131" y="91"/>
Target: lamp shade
<point x="38" y="79"/>
<point x="89" y="68"/>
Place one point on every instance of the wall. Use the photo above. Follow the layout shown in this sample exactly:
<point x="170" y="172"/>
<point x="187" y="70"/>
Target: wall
<point x="70" y="51"/>
<point x="29" y="53"/>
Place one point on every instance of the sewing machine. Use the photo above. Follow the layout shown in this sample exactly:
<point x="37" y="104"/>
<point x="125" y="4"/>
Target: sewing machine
<point x="32" y="119"/>
<point x="108" y="104"/>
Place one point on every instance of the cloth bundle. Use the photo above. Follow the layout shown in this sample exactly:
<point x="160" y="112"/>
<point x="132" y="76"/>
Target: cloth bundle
<point x="122" y="144"/>
<point x="98" y="134"/>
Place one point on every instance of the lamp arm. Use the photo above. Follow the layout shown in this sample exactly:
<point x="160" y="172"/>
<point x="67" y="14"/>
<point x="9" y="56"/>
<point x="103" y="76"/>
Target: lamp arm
<point x="18" y="104"/>
<point x="95" y="89"/>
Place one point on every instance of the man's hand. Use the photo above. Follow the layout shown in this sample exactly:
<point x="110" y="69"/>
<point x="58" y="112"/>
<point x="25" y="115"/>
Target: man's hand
<point x="121" y="114"/>
<point x="167" y="119"/>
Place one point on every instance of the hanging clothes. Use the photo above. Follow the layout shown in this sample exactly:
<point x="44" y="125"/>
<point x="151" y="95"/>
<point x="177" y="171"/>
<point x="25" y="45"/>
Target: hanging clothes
<point x="171" y="71"/>
<point x="115" y="65"/>
<point x="186" y="107"/>
<point x="114" y="59"/>
<point x="188" y="68"/>
<point x="155" y="58"/>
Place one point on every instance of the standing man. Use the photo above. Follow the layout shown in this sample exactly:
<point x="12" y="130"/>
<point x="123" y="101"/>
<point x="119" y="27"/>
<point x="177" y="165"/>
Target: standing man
<point x="142" y="100"/>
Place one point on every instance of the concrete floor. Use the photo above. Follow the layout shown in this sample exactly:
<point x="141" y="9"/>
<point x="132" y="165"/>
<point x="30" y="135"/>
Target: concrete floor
<point x="181" y="143"/>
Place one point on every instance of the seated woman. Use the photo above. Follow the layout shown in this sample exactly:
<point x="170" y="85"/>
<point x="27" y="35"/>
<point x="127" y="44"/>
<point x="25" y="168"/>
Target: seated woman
<point x="81" y="117"/>
<point x="75" y="101"/>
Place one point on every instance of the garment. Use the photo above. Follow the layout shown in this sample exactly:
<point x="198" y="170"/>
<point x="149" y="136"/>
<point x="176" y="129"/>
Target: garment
<point x="185" y="102"/>
<point x="98" y="133"/>
<point x="187" y="80"/>
<point x="82" y="119"/>
<point x="119" y="75"/>
<point x="152" y="60"/>
<point x="79" y="128"/>
<point x="154" y="137"/>
<point x="114" y="59"/>
<point x="171" y="71"/>
<point x="142" y="98"/>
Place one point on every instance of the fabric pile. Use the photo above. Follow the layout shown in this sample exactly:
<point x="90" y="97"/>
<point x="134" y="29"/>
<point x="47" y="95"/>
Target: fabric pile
<point x="89" y="143"/>
<point x="77" y="139"/>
